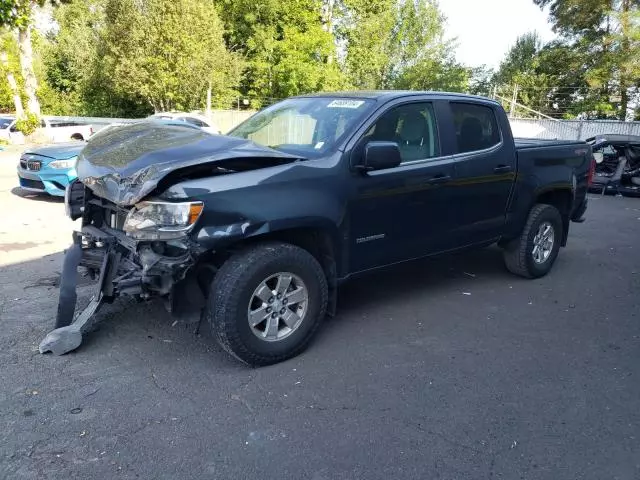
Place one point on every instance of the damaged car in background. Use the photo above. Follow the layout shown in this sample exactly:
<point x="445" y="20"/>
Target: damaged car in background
<point x="252" y="232"/>
<point x="617" y="164"/>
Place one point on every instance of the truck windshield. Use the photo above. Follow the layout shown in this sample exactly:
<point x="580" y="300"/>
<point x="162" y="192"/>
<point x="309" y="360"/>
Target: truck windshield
<point x="307" y="127"/>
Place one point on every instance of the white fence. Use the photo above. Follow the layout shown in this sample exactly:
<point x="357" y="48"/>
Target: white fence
<point x="224" y="119"/>
<point x="570" y="129"/>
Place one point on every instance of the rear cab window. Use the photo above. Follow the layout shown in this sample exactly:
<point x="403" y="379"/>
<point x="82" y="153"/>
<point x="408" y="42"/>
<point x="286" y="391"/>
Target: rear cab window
<point x="476" y="127"/>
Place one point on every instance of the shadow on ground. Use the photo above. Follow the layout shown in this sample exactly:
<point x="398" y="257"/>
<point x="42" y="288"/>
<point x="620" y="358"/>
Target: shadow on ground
<point x="41" y="197"/>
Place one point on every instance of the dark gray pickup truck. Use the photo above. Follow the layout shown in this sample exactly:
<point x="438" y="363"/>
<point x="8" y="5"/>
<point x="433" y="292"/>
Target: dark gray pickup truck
<point x="255" y="230"/>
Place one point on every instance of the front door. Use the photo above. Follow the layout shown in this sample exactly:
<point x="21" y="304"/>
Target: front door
<point x="401" y="213"/>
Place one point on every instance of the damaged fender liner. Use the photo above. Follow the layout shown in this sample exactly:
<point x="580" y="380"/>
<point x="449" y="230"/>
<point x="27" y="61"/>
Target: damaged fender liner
<point x="126" y="267"/>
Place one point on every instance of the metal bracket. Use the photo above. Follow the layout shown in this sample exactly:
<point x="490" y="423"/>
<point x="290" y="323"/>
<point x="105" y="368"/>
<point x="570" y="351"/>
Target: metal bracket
<point x="65" y="339"/>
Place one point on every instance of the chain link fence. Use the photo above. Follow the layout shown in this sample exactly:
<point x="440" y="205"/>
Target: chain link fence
<point x="570" y="129"/>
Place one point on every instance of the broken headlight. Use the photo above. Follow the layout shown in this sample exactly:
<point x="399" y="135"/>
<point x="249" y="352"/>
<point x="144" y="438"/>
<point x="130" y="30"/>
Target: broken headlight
<point x="162" y="220"/>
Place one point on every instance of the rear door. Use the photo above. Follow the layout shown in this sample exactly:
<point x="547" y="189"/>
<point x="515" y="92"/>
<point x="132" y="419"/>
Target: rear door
<point x="485" y="165"/>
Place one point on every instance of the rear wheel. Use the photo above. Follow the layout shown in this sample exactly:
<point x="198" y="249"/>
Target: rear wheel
<point x="267" y="302"/>
<point x="533" y="253"/>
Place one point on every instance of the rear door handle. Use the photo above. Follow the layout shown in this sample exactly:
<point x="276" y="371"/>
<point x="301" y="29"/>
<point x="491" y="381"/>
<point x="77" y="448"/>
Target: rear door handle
<point x="439" y="179"/>
<point x="502" y="169"/>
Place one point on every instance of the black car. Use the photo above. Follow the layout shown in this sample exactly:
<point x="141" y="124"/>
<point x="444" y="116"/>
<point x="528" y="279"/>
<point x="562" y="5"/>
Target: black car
<point x="255" y="230"/>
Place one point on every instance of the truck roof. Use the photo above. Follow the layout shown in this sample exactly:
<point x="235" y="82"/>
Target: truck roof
<point x="386" y="95"/>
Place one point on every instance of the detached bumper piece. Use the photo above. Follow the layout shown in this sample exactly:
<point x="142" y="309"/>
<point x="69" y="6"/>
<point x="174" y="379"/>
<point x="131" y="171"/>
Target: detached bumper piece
<point x="125" y="268"/>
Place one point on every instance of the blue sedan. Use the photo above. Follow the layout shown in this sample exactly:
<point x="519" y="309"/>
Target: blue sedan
<point x="49" y="169"/>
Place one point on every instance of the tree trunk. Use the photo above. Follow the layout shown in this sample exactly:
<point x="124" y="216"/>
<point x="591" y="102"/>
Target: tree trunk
<point x="626" y="46"/>
<point x="26" y="64"/>
<point x="17" y="101"/>
<point x="327" y="21"/>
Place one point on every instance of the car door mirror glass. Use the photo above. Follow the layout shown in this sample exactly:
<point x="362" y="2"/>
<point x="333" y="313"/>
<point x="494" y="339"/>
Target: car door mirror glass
<point x="379" y="155"/>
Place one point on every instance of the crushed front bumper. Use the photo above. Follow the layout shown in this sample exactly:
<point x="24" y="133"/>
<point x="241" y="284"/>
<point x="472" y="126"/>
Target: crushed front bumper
<point x="123" y="267"/>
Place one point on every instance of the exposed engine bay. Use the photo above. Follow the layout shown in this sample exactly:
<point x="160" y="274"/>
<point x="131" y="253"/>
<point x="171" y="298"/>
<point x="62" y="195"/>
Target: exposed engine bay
<point x="617" y="168"/>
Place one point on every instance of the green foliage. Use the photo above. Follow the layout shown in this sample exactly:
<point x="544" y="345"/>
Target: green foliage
<point x="168" y="52"/>
<point x="17" y="13"/>
<point x="29" y="124"/>
<point x="606" y="35"/>
<point x="9" y="45"/>
<point x="130" y="57"/>
<point x="288" y="49"/>
<point x="399" y="45"/>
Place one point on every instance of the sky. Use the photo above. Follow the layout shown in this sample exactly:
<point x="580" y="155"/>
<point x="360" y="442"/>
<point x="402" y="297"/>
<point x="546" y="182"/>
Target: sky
<point x="486" y="29"/>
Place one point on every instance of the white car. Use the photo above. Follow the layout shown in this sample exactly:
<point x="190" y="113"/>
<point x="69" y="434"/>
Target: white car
<point x="191" y="118"/>
<point x="56" y="131"/>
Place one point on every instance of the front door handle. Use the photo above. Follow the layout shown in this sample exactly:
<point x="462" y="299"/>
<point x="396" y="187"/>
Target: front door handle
<point x="439" y="179"/>
<point x="502" y="169"/>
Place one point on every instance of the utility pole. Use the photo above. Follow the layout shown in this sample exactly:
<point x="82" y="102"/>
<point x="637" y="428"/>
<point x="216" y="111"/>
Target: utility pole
<point x="209" y="101"/>
<point x="514" y="100"/>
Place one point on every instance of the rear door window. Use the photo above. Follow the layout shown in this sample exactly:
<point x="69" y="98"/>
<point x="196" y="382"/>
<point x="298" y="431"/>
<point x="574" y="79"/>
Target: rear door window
<point x="476" y="127"/>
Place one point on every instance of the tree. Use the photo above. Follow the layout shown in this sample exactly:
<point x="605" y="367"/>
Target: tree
<point x="18" y="15"/>
<point x="75" y="79"/>
<point x="9" y="66"/>
<point x="399" y="45"/>
<point x="605" y="34"/>
<point x="289" y="46"/>
<point x="168" y="52"/>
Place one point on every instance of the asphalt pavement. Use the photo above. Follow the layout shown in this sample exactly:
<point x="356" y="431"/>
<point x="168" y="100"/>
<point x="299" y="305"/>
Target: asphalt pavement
<point x="441" y="369"/>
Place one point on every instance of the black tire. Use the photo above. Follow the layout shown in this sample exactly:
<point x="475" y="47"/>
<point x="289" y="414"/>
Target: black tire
<point x="518" y="253"/>
<point x="232" y="291"/>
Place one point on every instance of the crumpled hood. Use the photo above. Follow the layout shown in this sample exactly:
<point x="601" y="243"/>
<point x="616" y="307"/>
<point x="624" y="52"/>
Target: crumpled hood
<point x="60" y="151"/>
<point x="126" y="163"/>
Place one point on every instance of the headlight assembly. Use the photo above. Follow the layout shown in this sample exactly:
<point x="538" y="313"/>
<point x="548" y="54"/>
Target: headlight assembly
<point x="162" y="220"/>
<point x="69" y="163"/>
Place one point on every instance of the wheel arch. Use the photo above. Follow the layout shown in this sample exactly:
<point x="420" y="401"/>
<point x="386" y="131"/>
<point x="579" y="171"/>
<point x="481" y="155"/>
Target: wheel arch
<point x="321" y="242"/>
<point x="562" y="199"/>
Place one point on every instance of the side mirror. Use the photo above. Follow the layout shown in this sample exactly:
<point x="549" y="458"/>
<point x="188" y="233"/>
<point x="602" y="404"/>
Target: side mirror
<point x="380" y="155"/>
<point x="598" y="157"/>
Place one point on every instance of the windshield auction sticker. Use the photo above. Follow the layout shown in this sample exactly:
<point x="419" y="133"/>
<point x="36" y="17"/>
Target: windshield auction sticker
<point x="345" y="103"/>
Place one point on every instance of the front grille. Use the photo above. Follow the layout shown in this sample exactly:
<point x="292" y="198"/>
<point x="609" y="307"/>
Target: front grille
<point x="28" y="183"/>
<point x="34" y="165"/>
<point x="28" y="164"/>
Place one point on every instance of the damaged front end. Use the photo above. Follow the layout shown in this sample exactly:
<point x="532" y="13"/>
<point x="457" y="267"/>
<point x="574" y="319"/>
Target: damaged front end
<point x="132" y="239"/>
<point x="114" y="247"/>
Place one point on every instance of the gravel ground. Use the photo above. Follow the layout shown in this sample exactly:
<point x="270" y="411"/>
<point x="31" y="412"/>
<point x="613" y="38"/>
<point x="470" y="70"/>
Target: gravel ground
<point x="442" y="369"/>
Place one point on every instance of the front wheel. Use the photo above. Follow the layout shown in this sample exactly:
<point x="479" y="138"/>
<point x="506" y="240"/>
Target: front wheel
<point x="267" y="302"/>
<point x="533" y="253"/>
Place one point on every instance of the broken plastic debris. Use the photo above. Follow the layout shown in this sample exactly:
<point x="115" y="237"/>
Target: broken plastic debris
<point x="174" y="323"/>
<point x="466" y="293"/>
<point x="298" y="383"/>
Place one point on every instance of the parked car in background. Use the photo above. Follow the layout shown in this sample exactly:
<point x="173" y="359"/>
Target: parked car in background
<point x="49" y="169"/>
<point x="55" y="131"/>
<point x="191" y="118"/>
<point x="617" y="164"/>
